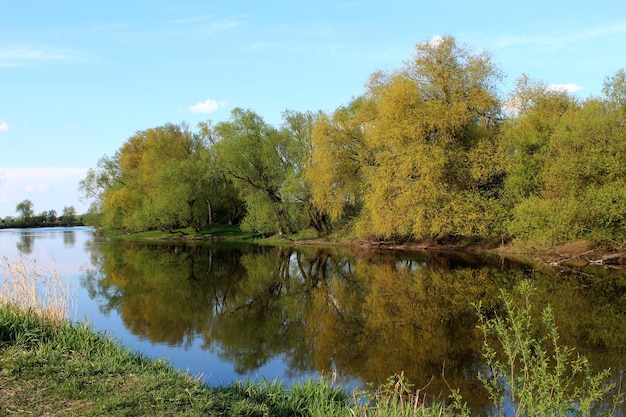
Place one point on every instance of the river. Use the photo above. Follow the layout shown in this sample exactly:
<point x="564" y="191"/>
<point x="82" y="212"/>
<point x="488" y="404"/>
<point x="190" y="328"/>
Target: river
<point x="226" y="311"/>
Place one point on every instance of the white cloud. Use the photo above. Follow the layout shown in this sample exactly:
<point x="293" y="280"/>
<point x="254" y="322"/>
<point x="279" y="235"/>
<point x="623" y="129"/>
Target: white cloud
<point x="436" y="40"/>
<point x="47" y="187"/>
<point x="206" y="106"/>
<point x="32" y="187"/>
<point x="512" y="106"/>
<point x="569" y="87"/>
<point x="21" y="56"/>
<point x="220" y="26"/>
<point x="556" y="40"/>
<point x="4" y="127"/>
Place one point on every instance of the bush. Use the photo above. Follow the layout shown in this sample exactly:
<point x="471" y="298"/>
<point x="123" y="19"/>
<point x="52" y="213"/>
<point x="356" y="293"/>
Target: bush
<point x="529" y="370"/>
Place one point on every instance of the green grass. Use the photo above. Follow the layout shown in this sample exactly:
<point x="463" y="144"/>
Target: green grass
<point x="67" y="369"/>
<point x="227" y="232"/>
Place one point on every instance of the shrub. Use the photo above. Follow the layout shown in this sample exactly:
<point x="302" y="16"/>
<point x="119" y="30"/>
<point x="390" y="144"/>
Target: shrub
<point x="529" y="370"/>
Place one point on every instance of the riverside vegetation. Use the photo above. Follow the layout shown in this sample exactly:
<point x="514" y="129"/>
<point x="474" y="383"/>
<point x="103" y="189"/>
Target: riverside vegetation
<point x="430" y="152"/>
<point x="52" y="366"/>
<point x="28" y="218"/>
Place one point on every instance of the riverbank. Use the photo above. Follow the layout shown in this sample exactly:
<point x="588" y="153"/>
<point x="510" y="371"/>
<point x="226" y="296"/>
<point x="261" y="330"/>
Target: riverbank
<point x="572" y="254"/>
<point x="67" y="369"/>
<point x="51" y="366"/>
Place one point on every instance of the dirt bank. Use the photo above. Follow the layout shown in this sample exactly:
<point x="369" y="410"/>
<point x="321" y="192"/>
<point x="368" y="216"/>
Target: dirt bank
<point x="573" y="254"/>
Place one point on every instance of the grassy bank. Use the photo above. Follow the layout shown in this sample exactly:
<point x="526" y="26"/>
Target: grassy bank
<point x="217" y="232"/>
<point x="50" y="365"/>
<point x="50" y="368"/>
<point x="574" y="254"/>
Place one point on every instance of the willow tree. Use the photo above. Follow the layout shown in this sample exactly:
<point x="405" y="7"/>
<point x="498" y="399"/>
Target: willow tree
<point x="261" y="159"/>
<point x="578" y="184"/>
<point x="338" y="157"/>
<point x="535" y="112"/>
<point x="134" y="201"/>
<point x="436" y="170"/>
<point x="535" y="115"/>
<point x="93" y="187"/>
<point x="160" y="178"/>
<point x="298" y="127"/>
<point x="25" y="209"/>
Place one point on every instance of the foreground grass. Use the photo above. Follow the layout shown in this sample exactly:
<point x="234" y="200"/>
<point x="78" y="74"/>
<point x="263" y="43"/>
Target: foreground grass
<point x="66" y="369"/>
<point x="30" y="287"/>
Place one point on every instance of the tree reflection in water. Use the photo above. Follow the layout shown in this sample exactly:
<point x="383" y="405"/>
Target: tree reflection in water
<point x="366" y="314"/>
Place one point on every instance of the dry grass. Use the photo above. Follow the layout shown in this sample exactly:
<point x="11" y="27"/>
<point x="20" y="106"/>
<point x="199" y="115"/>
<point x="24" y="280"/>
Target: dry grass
<point x="37" y="289"/>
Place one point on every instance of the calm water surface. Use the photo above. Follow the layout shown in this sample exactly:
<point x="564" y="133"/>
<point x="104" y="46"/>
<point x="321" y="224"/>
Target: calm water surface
<point x="229" y="311"/>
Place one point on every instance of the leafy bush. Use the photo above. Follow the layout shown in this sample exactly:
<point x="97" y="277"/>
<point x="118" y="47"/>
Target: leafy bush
<point x="529" y="370"/>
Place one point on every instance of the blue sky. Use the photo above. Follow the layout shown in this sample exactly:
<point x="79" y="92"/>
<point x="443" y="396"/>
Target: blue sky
<point x="78" y="78"/>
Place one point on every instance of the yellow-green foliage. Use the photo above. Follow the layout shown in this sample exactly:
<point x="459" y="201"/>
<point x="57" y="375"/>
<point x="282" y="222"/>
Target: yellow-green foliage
<point x="428" y="150"/>
<point x="566" y="174"/>
<point x="264" y="164"/>
<point x="162" y="178"/>
<point x="338" y="157"/>
<point x="418" y="149"/>
<point x="424" y="153"/>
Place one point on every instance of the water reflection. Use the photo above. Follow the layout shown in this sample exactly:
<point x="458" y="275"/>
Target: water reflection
<point x="368" y="315"/>
<point x="69" y="238"/>
<point x="25" y="244"/>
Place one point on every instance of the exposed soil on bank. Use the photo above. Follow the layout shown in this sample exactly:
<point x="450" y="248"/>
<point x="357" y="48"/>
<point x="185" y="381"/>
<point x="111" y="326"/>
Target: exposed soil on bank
<point x="573" y="254"/>
<point x="577" y="254"/>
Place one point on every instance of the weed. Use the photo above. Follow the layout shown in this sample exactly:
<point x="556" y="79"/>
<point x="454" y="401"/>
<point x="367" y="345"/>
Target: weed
<point x="32" y="288"/>
<point x="398" y="398"/>
<point x="529" y="369"/>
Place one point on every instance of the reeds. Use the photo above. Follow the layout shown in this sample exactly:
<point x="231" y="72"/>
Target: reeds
<point x="32" y="288"/>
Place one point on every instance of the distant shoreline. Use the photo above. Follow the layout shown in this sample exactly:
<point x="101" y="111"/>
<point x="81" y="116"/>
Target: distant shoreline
<point x="39" y="226"/>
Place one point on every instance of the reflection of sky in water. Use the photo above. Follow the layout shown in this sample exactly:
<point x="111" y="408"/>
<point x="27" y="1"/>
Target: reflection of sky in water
<point x="63" y="249"/>
<point x="67" y="251"/>
<point x="60" y="248"/>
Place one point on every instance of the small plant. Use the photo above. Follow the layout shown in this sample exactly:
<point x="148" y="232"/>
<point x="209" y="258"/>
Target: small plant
<point x="534" y="374"/>
<point x="397" y="397"/>
<point x="36" y="289"/>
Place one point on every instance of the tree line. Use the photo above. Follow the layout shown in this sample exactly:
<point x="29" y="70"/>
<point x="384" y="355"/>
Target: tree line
<point x="428" y="151"/>
<point x="27" y="217"/>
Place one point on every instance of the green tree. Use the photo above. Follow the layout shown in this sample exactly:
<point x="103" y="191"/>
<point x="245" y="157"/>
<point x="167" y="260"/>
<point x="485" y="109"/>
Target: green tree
<point x="25" y="210"/>
<point x="535" y="114"/>
<point x="128" y="202"/>
<point x="41" y="217"/>
<point x="418" y="150"/>
<point x="186" y="192"/>
<point x="614" y="90"/>
<point x="94" y="186"/>
<point x="261" y="159"/>
<point x="339" y="156"/>
<point x="566" y="179"/>
<point x="434" y="137"/>
<point x="99" y="179"/>
<point x="161" y="178"/>
<point x="297" y="186"/>
<point x="69" y="215"/>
